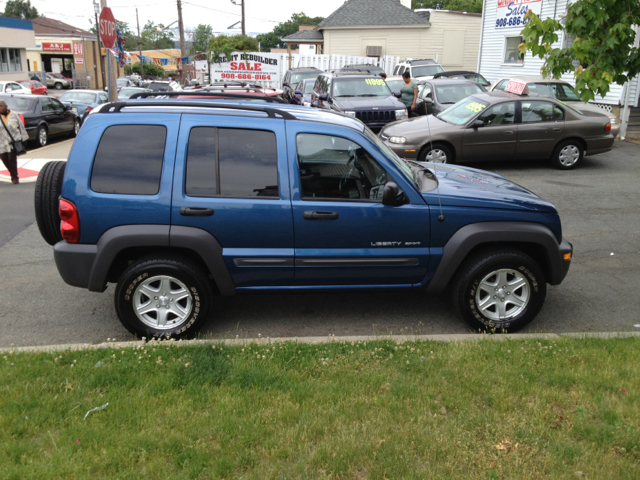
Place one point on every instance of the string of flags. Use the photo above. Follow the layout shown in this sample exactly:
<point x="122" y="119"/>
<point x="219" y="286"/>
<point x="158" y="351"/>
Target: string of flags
<point x="121" y="56"/>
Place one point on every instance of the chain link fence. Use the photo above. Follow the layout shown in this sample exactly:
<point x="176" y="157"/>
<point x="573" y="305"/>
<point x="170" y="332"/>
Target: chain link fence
<point x="39" y="76"/>
<point x="80" y="78"/>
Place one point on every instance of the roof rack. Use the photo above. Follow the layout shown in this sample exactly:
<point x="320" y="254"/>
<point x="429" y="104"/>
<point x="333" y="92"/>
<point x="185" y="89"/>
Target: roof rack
<point x="207" y="94"/>
<point x="116" y="107"/>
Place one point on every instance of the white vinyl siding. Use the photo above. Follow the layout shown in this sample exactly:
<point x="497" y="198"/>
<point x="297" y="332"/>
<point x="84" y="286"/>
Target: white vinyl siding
<point x="492" y="51"/>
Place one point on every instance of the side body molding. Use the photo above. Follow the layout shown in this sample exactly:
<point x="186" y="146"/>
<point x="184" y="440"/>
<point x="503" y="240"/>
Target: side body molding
<point x="205" y="245"/>
<point x="116" y="239"/>
<point x="493" y="233"/>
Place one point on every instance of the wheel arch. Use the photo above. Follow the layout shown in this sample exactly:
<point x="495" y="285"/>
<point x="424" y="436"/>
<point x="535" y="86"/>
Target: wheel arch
<point x="582" y="143"/>
<point x="446" y="143"/>
<point x="535" y="240"/>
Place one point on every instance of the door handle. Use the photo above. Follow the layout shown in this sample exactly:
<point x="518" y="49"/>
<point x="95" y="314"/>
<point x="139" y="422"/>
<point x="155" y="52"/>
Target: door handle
<point x="309" y="215"/>
<point x="557" y="129"/>
<point x="510" y="132"/>
<point x="196" y="212"/>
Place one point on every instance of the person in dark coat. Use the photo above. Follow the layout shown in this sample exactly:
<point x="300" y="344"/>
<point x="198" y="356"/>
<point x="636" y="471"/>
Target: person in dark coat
<point x="18" y="132"/>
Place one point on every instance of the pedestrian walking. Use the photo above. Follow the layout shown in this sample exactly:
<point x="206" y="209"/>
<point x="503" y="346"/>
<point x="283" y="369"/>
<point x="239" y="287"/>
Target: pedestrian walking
<point x="409" y="93"/>
<point x="13" y="127"/>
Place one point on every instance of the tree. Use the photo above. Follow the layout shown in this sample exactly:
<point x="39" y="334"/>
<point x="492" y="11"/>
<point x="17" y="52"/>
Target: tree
<point x="225" y="44"/>
<point x="200" y="38"/>
<point x="20" y="9"/>
<point x="602" y="50"/>
<point x="153" y="39"/>
<point x="273" y="39"/>
<point x="471" y="6"/>
<point x="150" y="70"/>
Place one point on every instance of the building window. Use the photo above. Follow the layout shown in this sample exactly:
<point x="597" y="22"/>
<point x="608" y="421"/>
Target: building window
<point x="10" y="60"/>
<point x="511" y="53"/>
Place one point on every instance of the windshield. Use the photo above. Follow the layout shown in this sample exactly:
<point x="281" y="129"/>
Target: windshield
<point x="360" y="87"/>
<point x="298" y="77"/>
<point x="463" y="111"/>
<point x="426" y="70"/>
<point x="122" y="82"/>
<point x="308" y="87"/>
<point x="78" y="97"/>
<point x="18" y="104"/>
<point x="395" y="85"/>
<point x="390" y="154"/>
<point x="451" y="94"/>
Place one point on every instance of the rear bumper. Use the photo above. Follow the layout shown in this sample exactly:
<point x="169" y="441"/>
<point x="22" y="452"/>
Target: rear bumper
<point x="74" y="262"/>
<point x="599" y="145"/>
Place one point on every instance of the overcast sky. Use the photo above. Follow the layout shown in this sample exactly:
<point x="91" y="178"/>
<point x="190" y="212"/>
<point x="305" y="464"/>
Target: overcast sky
<point x="261" y="15"/>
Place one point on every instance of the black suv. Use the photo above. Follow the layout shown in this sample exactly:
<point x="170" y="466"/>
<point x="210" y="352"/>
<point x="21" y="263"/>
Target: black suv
<point x="363" y="96"/>
<point x="293" y="77"/>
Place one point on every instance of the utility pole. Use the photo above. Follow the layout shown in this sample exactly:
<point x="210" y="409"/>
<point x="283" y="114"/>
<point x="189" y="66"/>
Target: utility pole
<point x="96" y="9"/>
<point x="140" y="47"/>
<point x="243" y="29"/>
<point x="182" y="46"/>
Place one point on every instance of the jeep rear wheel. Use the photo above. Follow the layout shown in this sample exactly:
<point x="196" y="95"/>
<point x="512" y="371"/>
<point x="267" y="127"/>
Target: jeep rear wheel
<point x="163" y="297"/>
<point x="501" y="290"/>
<point x="46" y="199"/>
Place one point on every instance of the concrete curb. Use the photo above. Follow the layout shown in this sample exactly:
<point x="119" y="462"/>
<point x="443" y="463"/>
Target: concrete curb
<point x="469" y="337"/>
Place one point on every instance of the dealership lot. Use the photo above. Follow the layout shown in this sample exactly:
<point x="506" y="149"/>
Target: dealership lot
<point x="599" y="204"/>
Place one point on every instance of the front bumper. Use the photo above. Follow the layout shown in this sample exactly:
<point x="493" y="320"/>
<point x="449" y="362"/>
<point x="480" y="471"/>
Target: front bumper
<point x="403" y="150"/>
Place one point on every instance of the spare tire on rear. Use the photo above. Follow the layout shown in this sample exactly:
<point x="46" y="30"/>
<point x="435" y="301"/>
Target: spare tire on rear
<point x="47" y="197"/>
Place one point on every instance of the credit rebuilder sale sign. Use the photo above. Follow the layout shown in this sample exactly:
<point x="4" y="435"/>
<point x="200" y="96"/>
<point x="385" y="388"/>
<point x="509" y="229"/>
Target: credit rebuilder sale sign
<point x="255" y="67"/>
<point x="511" y="12"/>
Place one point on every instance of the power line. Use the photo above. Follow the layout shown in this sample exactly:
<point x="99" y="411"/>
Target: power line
<point x="228" y="13"/>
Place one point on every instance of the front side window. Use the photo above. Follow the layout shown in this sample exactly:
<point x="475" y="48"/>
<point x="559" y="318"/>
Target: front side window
<point x="501" y="114"/>
<point x="511" y="52"/>
<point x="46" y="106"/>
<point x="57" y="106"/>
<point x="536" y="112"/>
<point x="232" y="162"/>
<point x="129" y="160"/>
<point x="334" y="168"/>
<point x="564" y="93"/>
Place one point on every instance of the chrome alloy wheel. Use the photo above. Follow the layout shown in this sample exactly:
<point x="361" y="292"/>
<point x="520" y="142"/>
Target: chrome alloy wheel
<point x="76" y="126"/>
<point x="162" y="302"/>
<point x="503" y="294"/>
<point x="42" y="137"/>
<point x="436" y="156"/>
<point x="569" y="155"/>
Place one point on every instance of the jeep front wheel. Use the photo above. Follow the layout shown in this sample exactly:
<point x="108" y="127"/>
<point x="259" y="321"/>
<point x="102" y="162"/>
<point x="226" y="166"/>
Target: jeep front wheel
<point x="499" y="291"/>
<point x="163" y="297"/>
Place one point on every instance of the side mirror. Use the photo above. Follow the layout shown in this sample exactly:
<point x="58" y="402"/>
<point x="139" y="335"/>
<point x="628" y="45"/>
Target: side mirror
<point x="68" y="107"/>
<point x="323" y="97"/>
<point x="477" y="124"/>
<point x="397" y="94"/>
<point x="298" y="92"/>
<point x="428" y="101"/>
<point x="390" y="194"/>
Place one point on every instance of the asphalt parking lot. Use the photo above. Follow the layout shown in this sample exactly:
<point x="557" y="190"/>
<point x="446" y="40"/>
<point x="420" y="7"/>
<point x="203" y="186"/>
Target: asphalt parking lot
<point x="599" y="204"/>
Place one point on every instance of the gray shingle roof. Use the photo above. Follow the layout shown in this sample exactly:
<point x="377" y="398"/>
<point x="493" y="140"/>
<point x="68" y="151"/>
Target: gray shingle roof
<point x="308" y="35"/>
<point x="372" y="12"/>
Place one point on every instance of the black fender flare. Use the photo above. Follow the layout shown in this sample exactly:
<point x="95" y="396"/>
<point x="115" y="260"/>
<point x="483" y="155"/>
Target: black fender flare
<point x="492" y="233"/>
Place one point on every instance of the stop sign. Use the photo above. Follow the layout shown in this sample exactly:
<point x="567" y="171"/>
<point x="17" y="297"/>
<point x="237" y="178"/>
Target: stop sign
<point x="107" y="27"/>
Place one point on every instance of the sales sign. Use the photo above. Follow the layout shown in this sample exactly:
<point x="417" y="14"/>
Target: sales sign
<point x="515" y="87"/>
<point x="253" y="67"/>
<point x="56" y="47"/>
<point x="78" y="60"/>
<point x="77" y="49"/>
<point x="511" y="12"/>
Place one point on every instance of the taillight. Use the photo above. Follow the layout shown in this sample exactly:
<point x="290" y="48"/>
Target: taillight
<point x="69" y="221"/>
<point x="607" y="127"/>
<point x="21" y="118"/>
<point x="89" y="109"/>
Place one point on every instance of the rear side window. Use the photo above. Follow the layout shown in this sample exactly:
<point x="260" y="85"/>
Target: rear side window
<point x="129" y="160"/>
<point x="232" y="162"/>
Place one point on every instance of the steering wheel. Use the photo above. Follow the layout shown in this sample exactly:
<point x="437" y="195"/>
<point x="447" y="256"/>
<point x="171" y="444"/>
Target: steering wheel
<point x="352" y="166"/>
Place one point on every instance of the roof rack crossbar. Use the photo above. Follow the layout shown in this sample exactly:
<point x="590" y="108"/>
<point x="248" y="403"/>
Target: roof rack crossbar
<point x="116" y="107"/>
<point x="207" y="93"/>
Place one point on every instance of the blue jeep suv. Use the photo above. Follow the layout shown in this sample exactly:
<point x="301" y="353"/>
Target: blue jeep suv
<point x="179" y="200"/>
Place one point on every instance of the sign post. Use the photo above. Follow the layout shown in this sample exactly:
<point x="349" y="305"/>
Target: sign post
<point x="108" y="33"/>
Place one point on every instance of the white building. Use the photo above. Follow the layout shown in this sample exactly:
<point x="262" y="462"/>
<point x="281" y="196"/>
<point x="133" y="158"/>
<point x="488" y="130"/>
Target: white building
<point x="499" y="56"/>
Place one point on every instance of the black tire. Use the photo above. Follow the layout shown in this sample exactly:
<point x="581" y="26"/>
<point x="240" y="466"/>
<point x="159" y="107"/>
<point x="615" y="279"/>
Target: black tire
<point x="42" y="139"/>
<point x="438" y="150"/>
<point x="475" y="279"/>
<point x="76" y="127"/>
<point x="144" y="274"/>
<point x="58" y="86"/>
<point x="567" y="155"/>
<point x="46" y="199"/>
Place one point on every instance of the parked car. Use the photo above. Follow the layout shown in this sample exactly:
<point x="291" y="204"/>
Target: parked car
<point x="302" y="93"/>
<point x="560" y="90"/>
<point x="128" y="91"/>
<point x="163" y="86"/>
<point x="36" y="87"/>
<point x="437" y="95"/>
<point x="502" y="126"/>
<point x="83" y="101"/>
<point x="166" y="203"/>
<point x="123" y="82"/>
<point x="464" y="75"/>
<point x="43" y="117"/>
<point x="293" y="77"/>
<point x="425" y="68"/>
<point x="363" y="67"/>
<point x="14" y="88"/>
<point x="363" y="96"/>
<point x="57" y="81"/>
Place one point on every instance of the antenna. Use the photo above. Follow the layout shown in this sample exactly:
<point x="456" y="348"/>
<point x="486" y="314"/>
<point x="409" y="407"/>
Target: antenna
<point x="435" y="170"/>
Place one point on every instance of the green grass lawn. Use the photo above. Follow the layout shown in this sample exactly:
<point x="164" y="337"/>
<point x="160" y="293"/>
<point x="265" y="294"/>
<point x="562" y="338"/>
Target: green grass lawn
<point x="567" y="408"/>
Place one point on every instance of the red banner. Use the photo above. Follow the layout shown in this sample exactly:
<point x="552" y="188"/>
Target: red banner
<point x="56" y="47"/>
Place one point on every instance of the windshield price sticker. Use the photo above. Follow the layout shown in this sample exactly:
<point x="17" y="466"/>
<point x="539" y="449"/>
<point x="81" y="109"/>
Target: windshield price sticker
<point x="515" y="87"/>
<point x="475" y="107"/>
<point x="374" y="81"/>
